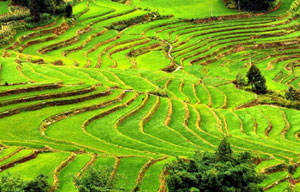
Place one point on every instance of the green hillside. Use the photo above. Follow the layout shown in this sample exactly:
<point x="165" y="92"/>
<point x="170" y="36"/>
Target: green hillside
<point x="101" y="89"/>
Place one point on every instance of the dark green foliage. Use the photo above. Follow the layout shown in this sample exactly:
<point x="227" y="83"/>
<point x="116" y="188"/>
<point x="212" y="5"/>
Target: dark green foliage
<point x="254" y="5"/>
<point x="35" y="10"/>
<point x="253" y="74"/>
<point x="260" y="85"/>
<point x="42" y="6"/>
<point x="291" y="169"/>
<point x="69" y="11"/>
<point x="96" y="179"/>
<point x="46" y="19"/>
<point x="240" y="80"/>
<point x="39" y="184"/>
<point x="222" y="171"/>
<point x="224" y="152"/>
<point x="20" y="2"/>
<point x="256" y="80"/>
<point x="9" y="183"/>
<point x="292" y="94"/>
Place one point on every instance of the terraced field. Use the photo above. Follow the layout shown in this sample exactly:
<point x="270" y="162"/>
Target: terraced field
<point x="3" y="7"/>
<point x="79" y="92"/>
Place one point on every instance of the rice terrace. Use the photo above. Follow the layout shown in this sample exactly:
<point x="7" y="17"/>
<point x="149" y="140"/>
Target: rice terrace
<point x="134" y="84"/>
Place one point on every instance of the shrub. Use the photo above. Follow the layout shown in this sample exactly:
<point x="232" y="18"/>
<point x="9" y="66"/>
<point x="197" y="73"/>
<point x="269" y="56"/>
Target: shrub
<point x="240" y="80"/>
<point x="96" y="179"/>
<point x="39" y="184"/>
<point x="292" y="94"/>
<point x="9" y="183"/>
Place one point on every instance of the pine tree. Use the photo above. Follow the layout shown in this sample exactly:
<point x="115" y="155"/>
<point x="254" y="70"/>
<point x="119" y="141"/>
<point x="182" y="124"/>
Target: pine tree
<point x="224" y="151"/>
<point x="69" y="11"/>
<point x="256" y="80"/>
<point x="260" y="85"/>
<point x="35" y="9"/>
<point x="292" y="94"/>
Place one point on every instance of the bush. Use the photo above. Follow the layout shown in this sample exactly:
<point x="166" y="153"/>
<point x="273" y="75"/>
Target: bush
<point x="96" y="179"/>
<point x="222" y="171"/>
<point x="292" y="94"/>
<point x="9" y="183"/>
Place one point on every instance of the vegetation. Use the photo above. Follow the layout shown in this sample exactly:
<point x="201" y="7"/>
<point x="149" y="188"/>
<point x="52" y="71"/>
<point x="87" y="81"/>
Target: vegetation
<point x="41" y="6"/>
<point x="134" y="84"/>
<point x="69" y="10"/>
<point x="256" y="80"/>
<point x="96" y="179"/>
<point x="10" y="183"/>
<point x="254" y="5"/>
<point x="292" y="94"/>
<point x="220" y="171"/>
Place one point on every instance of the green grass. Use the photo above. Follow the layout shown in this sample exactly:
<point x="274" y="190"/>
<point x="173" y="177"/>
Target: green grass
<point x="19" y="155"/>
<point x="128" y="171"/>
<point x="193" y="9"/>
<point x="37" y="166"/>
<point x="154" y="60"/>
<point x="66" y="176"/>
<point x="3" y="7"/>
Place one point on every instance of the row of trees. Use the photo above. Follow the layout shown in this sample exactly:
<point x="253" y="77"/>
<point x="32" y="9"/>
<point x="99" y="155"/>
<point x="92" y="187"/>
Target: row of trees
<point x="251" y="5"/>
<point x="45" y="6"/>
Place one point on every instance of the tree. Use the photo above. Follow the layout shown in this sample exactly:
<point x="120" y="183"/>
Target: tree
<point x="240" y="80"/>
<point x="96" y="179"/>
<point x="224" y="152"/>
<point x="254" y="5"/>
<point x="42" y="6"/>
<point x="222" y="171"/>
<point x="20" y="2"/>
<point x="256" y="80"/>
<point x="39" y="184"/>
<point x="292" y="94"/>
<point x="9" y="183"/>
<point x="69" y="11"/>
<point x="35" y="10"/>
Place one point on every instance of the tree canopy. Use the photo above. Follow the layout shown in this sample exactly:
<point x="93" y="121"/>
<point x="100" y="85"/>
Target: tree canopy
<point x="222" y="171"/>
<point x="254" y="5"/>
<point x="42" y="6"/>
<point x="256" y="80"/>
<point x="9" y="183"/>
<point x="96" y="179"/>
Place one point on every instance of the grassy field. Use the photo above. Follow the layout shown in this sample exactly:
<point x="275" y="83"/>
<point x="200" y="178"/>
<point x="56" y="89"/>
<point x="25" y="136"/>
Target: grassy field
<point x="183" y="9"/>
<point x="134" y="96"/>
<point x="3" y="7"/>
